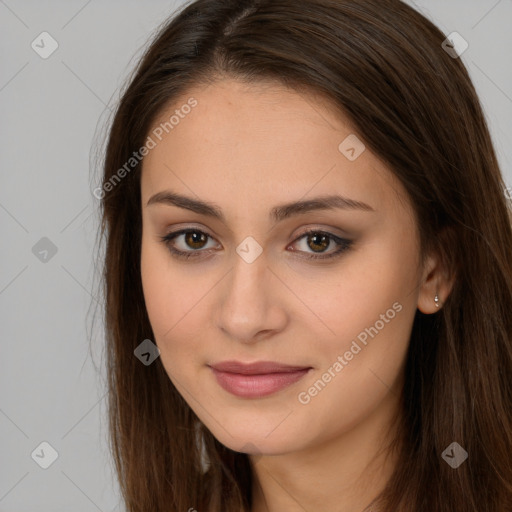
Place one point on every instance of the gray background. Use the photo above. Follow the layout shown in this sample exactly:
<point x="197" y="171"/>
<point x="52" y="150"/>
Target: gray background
<point x="53" y="113"/>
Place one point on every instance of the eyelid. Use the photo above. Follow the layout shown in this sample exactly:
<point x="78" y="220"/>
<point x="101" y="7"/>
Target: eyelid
<point x="343" y="244"/>
<point x="302" y="231"/>
<point x="320" y="229"/>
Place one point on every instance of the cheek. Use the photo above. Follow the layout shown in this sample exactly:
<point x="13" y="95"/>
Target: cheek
<point x="369" y="311"/>
<point x="356" y="376"/>
<point x="363" y="287"/>
<point x="160" y="304"/>
<point x="176" y="300"/>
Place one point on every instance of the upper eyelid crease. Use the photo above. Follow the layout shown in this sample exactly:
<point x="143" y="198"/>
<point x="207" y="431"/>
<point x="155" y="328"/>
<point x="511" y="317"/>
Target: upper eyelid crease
<point x="277" y="213"/>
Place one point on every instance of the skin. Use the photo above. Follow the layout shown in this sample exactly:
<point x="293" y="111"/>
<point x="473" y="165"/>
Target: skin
<point x="248" y="148"/>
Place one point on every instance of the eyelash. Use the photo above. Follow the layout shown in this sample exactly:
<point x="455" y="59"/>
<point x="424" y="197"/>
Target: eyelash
<point x="343" y="244"/>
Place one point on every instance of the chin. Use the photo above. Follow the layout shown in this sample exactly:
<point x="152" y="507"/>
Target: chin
<point x="258" y="440"/>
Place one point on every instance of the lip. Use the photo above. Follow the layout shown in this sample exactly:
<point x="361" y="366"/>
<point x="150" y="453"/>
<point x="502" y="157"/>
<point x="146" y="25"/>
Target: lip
<point x="255" y="380"/>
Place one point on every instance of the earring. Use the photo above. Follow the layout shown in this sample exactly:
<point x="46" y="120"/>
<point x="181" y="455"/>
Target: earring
<point x="436" y="300"/>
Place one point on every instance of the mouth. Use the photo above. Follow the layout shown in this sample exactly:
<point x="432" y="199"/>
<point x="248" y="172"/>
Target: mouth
<point x="256" y="380"/>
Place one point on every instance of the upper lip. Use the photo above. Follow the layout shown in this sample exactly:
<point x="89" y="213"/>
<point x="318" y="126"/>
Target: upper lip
<point x="257" y="368"/>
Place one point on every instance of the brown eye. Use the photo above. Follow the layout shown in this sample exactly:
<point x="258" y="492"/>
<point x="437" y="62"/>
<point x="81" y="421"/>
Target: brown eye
<point x="186" y="243"/>
<point x="195" y="239"/>
<point x="315" y="241"/>
<point x="319" y="242"/>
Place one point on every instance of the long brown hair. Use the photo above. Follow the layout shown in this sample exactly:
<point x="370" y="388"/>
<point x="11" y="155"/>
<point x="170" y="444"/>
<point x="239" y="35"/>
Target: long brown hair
<point x="383" y="65"/>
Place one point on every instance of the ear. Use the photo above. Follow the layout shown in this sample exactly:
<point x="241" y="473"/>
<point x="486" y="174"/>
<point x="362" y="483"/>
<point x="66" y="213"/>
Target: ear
<point x="435" y="280"/>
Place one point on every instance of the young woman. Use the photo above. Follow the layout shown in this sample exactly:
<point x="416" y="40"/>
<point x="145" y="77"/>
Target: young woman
<point x="308" y="273"/>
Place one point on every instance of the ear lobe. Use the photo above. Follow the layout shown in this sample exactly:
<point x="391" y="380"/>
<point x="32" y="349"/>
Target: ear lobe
<point x="435" y="282"/>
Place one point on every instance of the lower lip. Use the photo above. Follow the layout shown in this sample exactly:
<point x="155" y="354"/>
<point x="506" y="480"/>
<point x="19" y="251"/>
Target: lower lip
<point x="256" y="386"/>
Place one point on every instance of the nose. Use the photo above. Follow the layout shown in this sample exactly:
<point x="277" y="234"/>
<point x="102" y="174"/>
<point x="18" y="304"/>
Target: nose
<point x="251" y="304"/>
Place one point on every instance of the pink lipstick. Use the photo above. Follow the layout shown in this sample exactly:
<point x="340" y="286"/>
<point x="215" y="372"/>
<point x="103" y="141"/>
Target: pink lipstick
<point x="256" y="380"/>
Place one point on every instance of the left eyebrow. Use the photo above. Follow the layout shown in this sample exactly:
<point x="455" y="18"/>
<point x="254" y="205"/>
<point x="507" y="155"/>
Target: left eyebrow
<point x="277" y="214"/>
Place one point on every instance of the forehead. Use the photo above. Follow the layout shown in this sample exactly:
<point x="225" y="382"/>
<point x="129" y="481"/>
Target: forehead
<point x="261" y="142"/>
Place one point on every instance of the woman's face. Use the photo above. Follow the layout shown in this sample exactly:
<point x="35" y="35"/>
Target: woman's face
<point x="250" y="290"/>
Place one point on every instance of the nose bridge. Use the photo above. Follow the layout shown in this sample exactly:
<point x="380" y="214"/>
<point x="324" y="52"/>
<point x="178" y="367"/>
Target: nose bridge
<point x="247" y="306"/>
<point x="246" y="285"/>
<point x="249" y="268"/>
